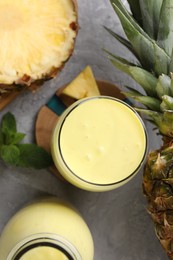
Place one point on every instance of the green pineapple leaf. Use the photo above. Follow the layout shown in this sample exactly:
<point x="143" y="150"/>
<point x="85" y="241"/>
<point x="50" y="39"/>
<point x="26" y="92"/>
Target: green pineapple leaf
<point x="171" y="63"/>
<point x="163" y="86"/>
<point x="136" y="10"/>
<point x="141" y="76"/>
<point x="149" y="102"/>
<point x="171" y="85"/>
<point x="150" y="10"/>
<point x="124" y="14"/>
<point x="152" y="57"/>
<point x="122" y="40"/>
<point x="167" y="103"/>
<point x="163" y="121"/>
<point x="165" y="33"/>
<point x="132" y="90"/>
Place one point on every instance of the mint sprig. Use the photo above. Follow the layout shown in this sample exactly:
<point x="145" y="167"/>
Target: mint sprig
<point x="15" y="153"/>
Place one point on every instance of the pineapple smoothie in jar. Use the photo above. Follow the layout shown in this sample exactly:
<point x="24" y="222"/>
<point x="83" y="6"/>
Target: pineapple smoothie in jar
<point x="99" y="143"/>
<point x="47" y="229"/>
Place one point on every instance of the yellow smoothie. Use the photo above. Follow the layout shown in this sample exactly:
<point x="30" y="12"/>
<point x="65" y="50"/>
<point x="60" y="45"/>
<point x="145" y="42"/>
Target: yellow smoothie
<point x="99" y="143"/>
<point x="56" y="224"/>
<point x="44" y="253"/>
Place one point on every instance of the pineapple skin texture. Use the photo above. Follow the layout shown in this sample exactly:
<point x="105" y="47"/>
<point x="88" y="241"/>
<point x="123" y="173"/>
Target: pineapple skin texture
<point x="27" y="81"/>
<point x="158" y="189"/>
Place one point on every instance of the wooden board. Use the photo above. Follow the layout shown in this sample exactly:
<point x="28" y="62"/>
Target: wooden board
<point x="49" y="114"/>
<point x="8" y="98"/>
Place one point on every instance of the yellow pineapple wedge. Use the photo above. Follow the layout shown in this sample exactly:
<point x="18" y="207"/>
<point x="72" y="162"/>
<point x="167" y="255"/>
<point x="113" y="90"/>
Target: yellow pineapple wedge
<point x="36" y="39"/>
<point x="84" y="85"/>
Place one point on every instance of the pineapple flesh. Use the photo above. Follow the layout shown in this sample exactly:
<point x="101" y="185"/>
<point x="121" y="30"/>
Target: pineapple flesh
<point x="37" y="38"/>
<point x="84" y="85"/>
<point x="148" y="26"/>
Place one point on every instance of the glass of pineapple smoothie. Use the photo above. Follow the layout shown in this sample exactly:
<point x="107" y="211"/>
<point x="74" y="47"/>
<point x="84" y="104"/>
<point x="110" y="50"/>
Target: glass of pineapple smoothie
<point x="48" y="229"/>
<point x="99" y="143"/>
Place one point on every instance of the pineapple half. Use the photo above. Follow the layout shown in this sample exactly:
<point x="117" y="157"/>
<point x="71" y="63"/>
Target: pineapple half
<point x="148" y="26"/>
<point x="37" y="38"/>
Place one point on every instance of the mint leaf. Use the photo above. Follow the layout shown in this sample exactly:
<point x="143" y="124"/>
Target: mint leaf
<point x="14" y="153"/>
<point x="1" y="138"/>
<point x="17" y="138"/>
<point x="33" y="156"/>
<point x="8" y="137"/>
<point x="8" y="127"/>
<point x="10" y="154"/>
<point x="9" y="123"/>
<point x="9" y="133"/>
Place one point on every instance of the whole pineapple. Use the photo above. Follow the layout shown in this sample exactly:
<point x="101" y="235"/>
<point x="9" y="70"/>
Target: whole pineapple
<point x="148" y="25"/>
<point x="36" y="39"/>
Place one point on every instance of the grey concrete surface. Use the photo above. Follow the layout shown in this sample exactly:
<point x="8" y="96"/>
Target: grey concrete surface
<point x="120" y="225"/>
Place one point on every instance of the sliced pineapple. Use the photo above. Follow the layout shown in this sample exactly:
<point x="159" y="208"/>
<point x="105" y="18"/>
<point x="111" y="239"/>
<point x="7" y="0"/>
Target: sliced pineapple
<point x="37" y="37"/>
<point x="84" y="85"/>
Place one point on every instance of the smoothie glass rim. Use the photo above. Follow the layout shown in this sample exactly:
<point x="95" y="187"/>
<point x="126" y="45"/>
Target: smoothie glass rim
<point x="44" y="239"/>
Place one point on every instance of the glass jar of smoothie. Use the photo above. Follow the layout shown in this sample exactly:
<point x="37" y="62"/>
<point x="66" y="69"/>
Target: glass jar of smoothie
<point x="46" y="230"/>
<point x="99" y="143"/>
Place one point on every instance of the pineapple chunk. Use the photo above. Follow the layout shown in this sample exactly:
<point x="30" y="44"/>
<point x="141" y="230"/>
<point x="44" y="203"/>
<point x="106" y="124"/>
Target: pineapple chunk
<point x="84" y="85"/>
<point x="37" y="37"/>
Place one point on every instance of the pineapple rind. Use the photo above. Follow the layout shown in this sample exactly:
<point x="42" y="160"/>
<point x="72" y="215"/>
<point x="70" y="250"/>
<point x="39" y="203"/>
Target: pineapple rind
<point x="158" y="188"/>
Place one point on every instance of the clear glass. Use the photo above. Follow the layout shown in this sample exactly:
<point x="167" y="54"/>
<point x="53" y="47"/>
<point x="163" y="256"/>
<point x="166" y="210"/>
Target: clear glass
<point x="51" y="223"/>
<point x="61" y="162"/>
<point x="46" y="240"/>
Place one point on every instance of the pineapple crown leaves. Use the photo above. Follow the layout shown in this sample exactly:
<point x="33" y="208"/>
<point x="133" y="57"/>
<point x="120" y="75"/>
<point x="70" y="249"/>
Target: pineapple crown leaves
<point x="148" y="27"/>
<point x="164" y="120"/>
<point x="149" y="39"/>
<point x="143" y="77"/>
<point x="151" y="55"/>
<point x="150" y="16"/>
<point x="150" y="102"/>
<point x="162" y="89"/>
<point x="160" y="109"/>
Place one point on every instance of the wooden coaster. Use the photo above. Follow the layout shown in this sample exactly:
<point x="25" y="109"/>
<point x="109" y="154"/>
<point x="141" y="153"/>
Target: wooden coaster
<point x="48" y="115"/>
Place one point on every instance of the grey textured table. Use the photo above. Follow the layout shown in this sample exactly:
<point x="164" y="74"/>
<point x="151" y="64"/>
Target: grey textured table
<point x="118" y="220"/>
